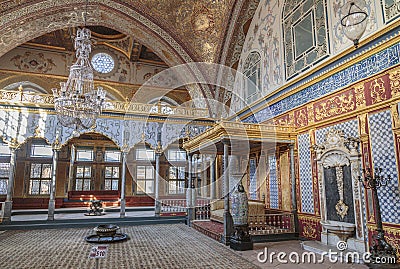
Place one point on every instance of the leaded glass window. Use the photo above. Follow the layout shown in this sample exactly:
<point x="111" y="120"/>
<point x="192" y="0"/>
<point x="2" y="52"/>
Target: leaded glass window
<point x="112" y="176"/>
<point x="305" y="34"/>
<point x="4" y="150"/>
<point x="40" y="178"/>
<point x="176" y="155"/>
<point x="145" y="154"/>
<point x="145" y="179"/>
<point x="41" y="151"/>
<point x="84" y="155"/>
<point x="112" y="156"/>
<point x="83" y="178"/>
<point x="4" y="173"/>
<point x="252" y="70"/>
<point x="176" y="180"/>
<point x="103" y="62"/>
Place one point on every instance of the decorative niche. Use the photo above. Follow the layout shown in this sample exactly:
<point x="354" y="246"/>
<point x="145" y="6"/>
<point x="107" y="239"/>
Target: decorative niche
<point x="338" y="161"/>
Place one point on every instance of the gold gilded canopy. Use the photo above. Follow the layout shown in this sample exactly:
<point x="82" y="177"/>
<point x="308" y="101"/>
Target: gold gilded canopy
<point x="239" y="132"/>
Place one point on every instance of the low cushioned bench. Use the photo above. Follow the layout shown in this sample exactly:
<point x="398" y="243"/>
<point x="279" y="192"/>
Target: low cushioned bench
<point x="217" y="209"/>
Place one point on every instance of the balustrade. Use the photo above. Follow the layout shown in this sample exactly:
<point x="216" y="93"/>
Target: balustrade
<point x="47" y="100"/>
<point x="202" y="210"/>
<point x="271" y="223"/>
<point x="173" y="205"/>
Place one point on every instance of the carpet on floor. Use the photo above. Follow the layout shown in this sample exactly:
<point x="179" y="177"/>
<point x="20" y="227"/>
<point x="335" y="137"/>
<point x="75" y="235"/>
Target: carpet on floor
<point x="212" y="229"/>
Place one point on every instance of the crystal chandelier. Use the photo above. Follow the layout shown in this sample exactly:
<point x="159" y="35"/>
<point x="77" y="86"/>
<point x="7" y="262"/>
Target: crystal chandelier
<point x="77" y="103"/>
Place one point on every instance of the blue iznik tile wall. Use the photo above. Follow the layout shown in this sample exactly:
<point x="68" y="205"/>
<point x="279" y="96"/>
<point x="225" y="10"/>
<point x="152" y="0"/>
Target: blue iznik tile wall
<point x="273" y="182"/>
<point x="253" y="179"/>
<point x="306" y="185"/>
<point x="359" y="71"/>
<point x="349" y="128"/>
<point x="383" y="155"/>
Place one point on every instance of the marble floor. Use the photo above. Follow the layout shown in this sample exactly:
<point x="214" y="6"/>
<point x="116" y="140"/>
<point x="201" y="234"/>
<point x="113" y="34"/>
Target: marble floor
<point x="151" y="246"/>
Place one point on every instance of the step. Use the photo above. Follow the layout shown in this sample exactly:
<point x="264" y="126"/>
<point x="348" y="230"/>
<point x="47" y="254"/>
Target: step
<point x="274" y="237"/>
<point x="77" y="210"/>
<point x="57" y="224"/>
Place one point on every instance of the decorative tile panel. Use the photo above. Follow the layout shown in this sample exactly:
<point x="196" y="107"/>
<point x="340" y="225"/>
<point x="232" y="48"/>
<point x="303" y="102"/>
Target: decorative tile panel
<point x="349" y="128"/>
<point x="273" y="182"/>
<point x="306" y="188"/>
<point x="366" y="68"/>
<point x="384" y="156"/>
<point x="253" y="179"/>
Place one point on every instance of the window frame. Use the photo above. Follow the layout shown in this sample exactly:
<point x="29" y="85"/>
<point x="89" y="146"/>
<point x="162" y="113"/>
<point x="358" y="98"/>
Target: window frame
<point x="146" y="179"/>
<point x="179" y="189"/>
<point x="153" y="157"/>
<point x="114" y="152"/>
<point x="80" y="150"/>
<point x="112" y="179"/>
<point x="4" y="180"/>
<point x="40" y="179"/>
<point x="34" y="146"/>
<point x="83" y="178"/>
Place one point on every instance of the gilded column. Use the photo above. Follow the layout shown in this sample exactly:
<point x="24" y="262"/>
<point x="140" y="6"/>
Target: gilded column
<point x="228" y="221"/>
<point x="293" y="181"/>
<point x="157" y="187"/>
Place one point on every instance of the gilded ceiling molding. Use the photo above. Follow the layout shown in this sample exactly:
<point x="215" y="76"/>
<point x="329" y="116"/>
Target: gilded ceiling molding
<point x="232" y="45"/>
<point x="35" y="18"/>
<point x="39" y="17"/>
<point x="234" y="40"/>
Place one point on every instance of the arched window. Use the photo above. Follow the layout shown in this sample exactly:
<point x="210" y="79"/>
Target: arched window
<point x="103" y="62"/>
<point x="305" y="34"/>
<point x="27" y="86"/>
<point x="252" y="70"/>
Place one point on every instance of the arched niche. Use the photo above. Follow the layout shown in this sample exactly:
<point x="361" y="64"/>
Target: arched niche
<point x="341" y="210"/>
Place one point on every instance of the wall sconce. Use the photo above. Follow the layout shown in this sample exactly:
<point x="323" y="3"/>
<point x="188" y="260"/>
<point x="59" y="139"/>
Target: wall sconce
<point x="354" y="20"/>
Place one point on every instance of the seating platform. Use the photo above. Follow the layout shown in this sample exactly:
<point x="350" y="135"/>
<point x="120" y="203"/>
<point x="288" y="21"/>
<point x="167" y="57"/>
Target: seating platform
<point x="212" y="229"/>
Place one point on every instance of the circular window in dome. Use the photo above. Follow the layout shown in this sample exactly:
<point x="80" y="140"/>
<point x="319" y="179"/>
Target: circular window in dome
<point x="103" y="62"/>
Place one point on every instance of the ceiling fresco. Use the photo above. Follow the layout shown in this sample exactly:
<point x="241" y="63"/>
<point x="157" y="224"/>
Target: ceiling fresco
<point x="131" y="48"/>
<point x="169" y="32"/>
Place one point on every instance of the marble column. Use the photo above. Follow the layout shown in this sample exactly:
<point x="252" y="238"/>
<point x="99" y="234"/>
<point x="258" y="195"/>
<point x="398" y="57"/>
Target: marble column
<point x="228" y="221"/>
<point x="204" y="180"/>
<point x="71" y="169"/>
<point x="157" y="185"/>
<point x="189" y="191"/>
<point x="7" y="207"/>
<point x="52" y="200"/>
<point x="294" y="195"/>
<point x="213" y="179"/>
<point x="123" y="184"/>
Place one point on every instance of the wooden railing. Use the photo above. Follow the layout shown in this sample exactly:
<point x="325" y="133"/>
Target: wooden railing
<point x="202" y="211"/>
<point x="173" y="205"/>
<point x="202" y="208"/>
<point x="271" y="224"/>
